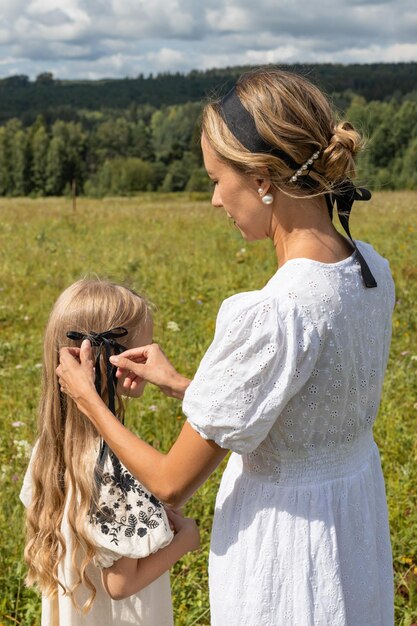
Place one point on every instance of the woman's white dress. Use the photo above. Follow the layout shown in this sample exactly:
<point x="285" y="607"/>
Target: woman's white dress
<point x="132" y="523"/>
<point x="292" y="384"/>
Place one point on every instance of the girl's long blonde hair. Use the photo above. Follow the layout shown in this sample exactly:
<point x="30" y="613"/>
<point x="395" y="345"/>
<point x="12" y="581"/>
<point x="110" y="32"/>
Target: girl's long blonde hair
<point x="66" y="438"/>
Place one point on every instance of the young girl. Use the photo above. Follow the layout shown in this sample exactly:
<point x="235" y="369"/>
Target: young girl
<point x="94" y="533"/>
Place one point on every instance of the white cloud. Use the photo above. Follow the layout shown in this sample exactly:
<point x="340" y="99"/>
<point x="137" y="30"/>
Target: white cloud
<point x="92" y="38"/>
<point x="166" y="57"/>
<point x="70" y="9"/>
<point x="228" y="18"/>
<point x="398" y="53"/>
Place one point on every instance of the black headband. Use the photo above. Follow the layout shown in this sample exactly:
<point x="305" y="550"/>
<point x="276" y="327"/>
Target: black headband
<point x="242" y="125"/>
<point x="106" y="340"/>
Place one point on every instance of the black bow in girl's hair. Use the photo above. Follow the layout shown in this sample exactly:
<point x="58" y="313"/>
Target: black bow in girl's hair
<point x="106" y="339"/>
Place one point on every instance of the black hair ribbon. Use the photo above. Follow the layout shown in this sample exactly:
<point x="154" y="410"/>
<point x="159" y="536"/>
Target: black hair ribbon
<point x="106" y="340"/>
<point x="344" y="197"/>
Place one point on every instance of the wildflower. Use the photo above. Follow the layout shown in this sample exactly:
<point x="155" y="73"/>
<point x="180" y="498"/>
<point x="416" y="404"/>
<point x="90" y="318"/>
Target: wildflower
<point x="23" y="448"/>
<point x="38" y="365"/>
<point x="18" y="424"/>
<point x="173" y="326"/>
<point x="153" y="408"/>
<point x="19" y="366"/>
<point x="406" y="560"/>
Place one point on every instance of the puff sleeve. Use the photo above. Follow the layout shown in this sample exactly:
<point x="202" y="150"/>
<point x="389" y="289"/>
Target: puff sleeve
<point x="259" y="358"/>
<point x="129" y="520"/>
<point x="27" y="485"/>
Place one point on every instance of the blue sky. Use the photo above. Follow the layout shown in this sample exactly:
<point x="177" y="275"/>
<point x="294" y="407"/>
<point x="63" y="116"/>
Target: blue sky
<point x="116" y="38"/>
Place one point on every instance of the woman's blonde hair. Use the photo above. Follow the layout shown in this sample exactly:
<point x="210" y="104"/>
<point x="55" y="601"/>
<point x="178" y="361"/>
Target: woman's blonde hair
<point x="293" y="115"/>
<point x="66" y="439"/>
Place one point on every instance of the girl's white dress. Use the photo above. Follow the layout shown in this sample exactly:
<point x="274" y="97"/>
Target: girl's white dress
<point x="291" y="384"/>
<point x="131" y="523"/>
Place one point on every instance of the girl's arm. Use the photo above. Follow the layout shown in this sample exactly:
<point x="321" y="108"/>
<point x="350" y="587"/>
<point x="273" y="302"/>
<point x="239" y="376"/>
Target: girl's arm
<point x="171" y="477"/>
<point x="129" y="576"/>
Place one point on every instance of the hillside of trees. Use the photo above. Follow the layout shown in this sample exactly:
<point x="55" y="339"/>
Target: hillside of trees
<point x="130" y="135"/>
<point x="25" y="99"/>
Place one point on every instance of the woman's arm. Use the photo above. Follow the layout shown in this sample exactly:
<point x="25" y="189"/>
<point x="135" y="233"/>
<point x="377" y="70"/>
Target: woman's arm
<point x="171" y="477"/>
<point x="128" y="576"/>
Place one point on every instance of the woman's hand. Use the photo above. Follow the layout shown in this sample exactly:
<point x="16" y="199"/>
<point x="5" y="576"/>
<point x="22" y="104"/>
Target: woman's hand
<point x="76" y="375"/>
<point x="149" y="363"/>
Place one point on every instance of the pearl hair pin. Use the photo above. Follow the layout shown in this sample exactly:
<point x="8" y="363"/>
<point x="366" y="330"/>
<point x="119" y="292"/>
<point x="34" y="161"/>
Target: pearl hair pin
<point x="306" y="166"/>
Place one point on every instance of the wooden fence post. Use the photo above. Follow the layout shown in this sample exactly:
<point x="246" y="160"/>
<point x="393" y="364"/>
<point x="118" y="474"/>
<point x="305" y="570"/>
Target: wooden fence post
<point x="74" y="194"/>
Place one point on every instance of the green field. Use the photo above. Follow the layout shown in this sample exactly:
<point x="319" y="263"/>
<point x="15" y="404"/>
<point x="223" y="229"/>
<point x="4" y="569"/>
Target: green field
<point x="186" y="258"/>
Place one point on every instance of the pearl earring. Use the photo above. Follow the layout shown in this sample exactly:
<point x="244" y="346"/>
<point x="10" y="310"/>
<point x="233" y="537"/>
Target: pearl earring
<point x="268" y="198"/>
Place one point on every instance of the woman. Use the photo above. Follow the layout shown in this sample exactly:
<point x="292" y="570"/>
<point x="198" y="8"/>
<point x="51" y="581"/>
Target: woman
<point x="291" y="383"/>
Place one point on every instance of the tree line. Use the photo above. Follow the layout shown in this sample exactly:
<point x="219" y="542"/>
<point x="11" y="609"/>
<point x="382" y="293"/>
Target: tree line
<point x="148" y="148"/>
<point x="55" y="98"/>
<point x="138" y="150"/>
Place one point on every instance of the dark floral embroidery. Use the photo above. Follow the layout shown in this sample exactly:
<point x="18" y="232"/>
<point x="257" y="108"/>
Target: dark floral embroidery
<point x="117" y="517"/>
<point x="105" y="514"/>
<point x="154" y="501"/>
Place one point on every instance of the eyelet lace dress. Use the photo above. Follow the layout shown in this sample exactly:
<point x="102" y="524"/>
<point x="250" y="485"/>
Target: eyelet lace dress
<point x="291" y="384"/>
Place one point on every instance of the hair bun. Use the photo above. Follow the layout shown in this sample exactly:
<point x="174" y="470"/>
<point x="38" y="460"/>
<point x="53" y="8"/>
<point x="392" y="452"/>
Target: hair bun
<point x="348" y="137"/>
<point x="338" y="157"/>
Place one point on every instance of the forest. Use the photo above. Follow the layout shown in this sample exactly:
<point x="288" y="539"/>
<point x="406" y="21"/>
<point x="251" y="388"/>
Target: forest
<point x="119" y="137"/>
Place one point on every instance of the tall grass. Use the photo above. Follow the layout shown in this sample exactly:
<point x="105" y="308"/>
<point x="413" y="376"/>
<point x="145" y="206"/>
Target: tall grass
<point x="186" y="258"/>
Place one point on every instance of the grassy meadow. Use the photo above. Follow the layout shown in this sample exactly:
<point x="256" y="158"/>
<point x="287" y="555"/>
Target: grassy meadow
<point x="186" y="258"/>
